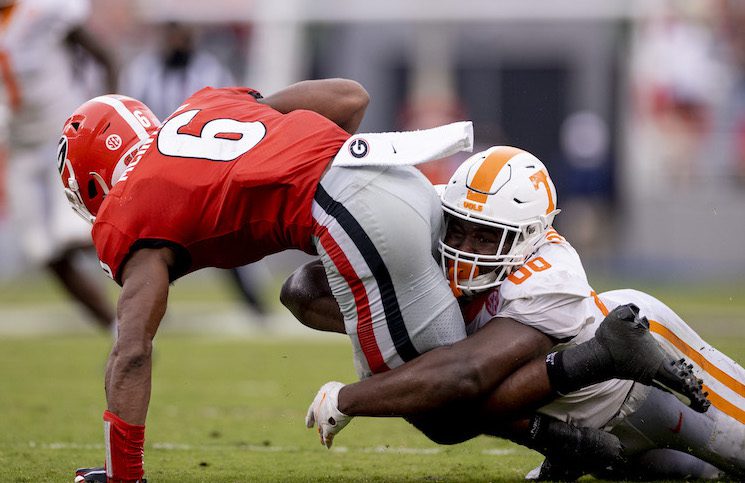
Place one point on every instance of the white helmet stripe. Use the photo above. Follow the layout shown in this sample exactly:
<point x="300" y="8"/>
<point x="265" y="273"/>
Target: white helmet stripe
<point x="125" y="113"/>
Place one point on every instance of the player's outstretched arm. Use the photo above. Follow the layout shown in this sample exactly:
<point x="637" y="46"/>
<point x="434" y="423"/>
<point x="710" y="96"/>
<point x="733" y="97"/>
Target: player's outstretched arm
<point x="479" y="366"/>
<point x="432" y="383"/>
<point x="142" y="305"/>
<point x="306" y="293"/>
<point x="467" y="370"/>
<point x="343" y="101"/>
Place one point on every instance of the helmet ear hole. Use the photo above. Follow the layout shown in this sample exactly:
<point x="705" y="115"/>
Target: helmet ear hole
<point x="92" y="190"/>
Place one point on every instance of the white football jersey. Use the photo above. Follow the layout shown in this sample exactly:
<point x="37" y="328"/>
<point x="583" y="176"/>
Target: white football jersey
<point x="33" y="41"/>
<point x="551" y="293"/>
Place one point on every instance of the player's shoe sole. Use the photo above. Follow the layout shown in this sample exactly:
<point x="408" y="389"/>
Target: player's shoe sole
<point x="678" y="378"/>
<point x="637" y="355"/>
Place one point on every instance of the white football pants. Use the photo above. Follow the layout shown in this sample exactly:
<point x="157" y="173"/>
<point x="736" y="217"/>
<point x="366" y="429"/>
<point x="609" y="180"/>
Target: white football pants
<point x="651" y="418"/>
<point x="376" y="231"/>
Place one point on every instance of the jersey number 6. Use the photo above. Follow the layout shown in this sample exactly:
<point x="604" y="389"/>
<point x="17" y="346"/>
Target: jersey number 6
<point x="219" y="140"/>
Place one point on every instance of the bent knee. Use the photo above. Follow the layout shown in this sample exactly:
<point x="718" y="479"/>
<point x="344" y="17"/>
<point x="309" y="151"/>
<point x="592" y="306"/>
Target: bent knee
<point x="289" y="295"/>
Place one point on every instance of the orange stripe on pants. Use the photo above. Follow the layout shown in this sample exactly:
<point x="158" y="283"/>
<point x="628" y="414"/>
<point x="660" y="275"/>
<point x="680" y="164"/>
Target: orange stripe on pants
<point x="730" y="382"/>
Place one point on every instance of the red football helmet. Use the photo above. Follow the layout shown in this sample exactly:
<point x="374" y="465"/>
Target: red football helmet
<point x="98" y="142"/>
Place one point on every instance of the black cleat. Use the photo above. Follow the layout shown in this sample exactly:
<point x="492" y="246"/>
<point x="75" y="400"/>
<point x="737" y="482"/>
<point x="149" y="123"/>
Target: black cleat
<point x="90" y="475"/>
<point x="674" y="373"/>
<point x="571" y="452"/>
<point x="637" y="356"/>
<point x="93" y="475"/>
<point x="549" y="471"/>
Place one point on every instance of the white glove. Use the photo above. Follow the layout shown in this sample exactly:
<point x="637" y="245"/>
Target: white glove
<point x="324" y="411"/>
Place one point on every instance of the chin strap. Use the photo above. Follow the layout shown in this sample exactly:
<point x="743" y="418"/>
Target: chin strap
<point x="73" y="197"/>
<point x="100" y="181"/>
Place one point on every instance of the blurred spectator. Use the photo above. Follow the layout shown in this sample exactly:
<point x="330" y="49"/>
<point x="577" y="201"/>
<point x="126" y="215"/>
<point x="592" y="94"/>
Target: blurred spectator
<point x="162" y="78"/>
<point x="679" y="85"/>
<point x="732" y="115"/>
<point x="41" y="91"/>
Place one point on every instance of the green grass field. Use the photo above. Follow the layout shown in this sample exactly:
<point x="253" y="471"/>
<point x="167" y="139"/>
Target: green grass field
<point x="222" y="411"/>
<point x="231" y="409"/>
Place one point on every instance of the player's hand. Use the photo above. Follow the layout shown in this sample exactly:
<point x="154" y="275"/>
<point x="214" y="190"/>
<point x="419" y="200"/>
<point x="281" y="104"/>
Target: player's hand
<point x="324" y="411"/>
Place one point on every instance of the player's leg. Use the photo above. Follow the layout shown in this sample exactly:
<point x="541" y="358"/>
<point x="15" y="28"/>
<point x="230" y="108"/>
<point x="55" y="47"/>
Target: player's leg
<point x="723" y="425"/>
<point x="49" y="229"/>
<point x="68" y="235"/>
<point x="81" y="286"/>
<point x="666" y="464"/>
<point x="306" y="293"/>
<point x="723" y="378"/>
<point x="654" y="464"/>
<point x="656" y="419"/>
<point x="243" y="280"/>
<point x="26" y="186"/>
<point x="576" y="451"/>
<point x="375" y="233"/>
<point x="623" y="348"/>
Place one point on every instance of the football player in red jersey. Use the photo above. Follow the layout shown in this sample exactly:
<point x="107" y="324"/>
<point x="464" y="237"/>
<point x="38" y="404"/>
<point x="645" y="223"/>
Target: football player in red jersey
<point x="501" y="254"/>
<point x="227" y="179"/>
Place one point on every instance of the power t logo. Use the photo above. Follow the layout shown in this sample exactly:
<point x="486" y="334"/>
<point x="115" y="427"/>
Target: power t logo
<point x="358" y="148"/>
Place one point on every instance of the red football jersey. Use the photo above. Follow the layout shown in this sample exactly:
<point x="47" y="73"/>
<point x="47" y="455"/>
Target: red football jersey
<point x="225" y="181"/>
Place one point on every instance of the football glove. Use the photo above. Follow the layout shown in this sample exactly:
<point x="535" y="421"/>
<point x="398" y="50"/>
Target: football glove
<point x="324" y="412"/>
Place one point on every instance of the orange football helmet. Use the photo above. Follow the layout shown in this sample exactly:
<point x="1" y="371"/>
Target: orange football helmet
<point x="504" y="188"/>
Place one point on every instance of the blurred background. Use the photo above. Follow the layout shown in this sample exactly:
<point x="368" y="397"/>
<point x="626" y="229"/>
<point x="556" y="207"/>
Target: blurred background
<point x="636" y="107"/>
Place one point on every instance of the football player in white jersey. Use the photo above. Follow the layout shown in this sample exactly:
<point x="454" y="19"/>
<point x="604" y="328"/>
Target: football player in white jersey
<point x="510" y="267"/>
<point x="41" y="90"/>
